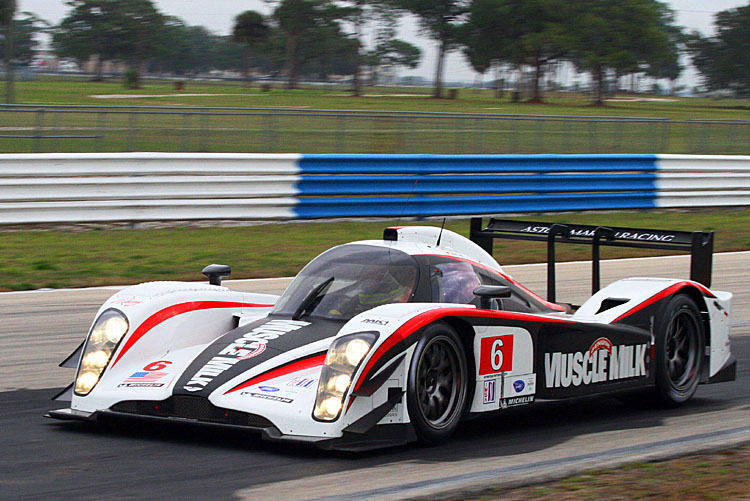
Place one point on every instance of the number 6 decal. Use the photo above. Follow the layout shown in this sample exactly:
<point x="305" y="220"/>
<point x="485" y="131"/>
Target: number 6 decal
<point x="496" y="354"/>
<point x="157" y="366"/>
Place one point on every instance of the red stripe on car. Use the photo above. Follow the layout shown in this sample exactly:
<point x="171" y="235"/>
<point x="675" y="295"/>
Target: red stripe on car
<point x="419" y="321"/>
<point x="173" y="311"/>
<point x="554" y="306"/>
<point x="661" y="295"/>
<point x="299" y="365"/>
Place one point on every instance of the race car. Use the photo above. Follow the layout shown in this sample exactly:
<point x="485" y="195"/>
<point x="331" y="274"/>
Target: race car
<point x="382" y="342"/>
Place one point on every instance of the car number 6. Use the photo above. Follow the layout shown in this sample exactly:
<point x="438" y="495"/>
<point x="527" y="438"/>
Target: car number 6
<point x="157" y="366"/>
<point x="496" y="354"/>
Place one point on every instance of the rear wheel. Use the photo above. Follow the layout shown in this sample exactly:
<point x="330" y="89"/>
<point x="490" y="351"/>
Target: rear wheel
<point x="680" y="346"/>
<point x="437" y="387"/>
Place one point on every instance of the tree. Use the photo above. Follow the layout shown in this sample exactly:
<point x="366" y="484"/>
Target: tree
<point x="398" y="53"/>
<point x="327" y="50"/>
<point x="296" y="18"/>
<point x="184" y="49"/>
<point x="521" y="32"/>
<point x="724" y="59"/>
<point x="440" y="20"/>
<point x="620" y="36"/>
<point x="138" y="26"/>
<point x="7" y="12"/>
<point x="250" y="30"/>
<point x="85" y="32"/>
<point x="126" y="30"/>
<point x="667" y="63"/>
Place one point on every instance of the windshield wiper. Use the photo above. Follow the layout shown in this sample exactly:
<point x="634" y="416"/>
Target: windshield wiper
<point x="312" y="299"/>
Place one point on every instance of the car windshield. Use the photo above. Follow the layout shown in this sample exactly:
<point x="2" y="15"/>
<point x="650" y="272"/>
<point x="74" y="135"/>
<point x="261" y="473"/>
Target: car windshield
<point x="350" y="279"/>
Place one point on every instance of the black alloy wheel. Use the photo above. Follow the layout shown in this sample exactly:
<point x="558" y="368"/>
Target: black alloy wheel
<point x="438" y="376"/>
<point x="680" y="346"/>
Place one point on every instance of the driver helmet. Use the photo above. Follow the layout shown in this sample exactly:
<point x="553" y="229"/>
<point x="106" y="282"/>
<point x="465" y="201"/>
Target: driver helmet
<point x="383" y="287"/>
<point x="457" y="282"/>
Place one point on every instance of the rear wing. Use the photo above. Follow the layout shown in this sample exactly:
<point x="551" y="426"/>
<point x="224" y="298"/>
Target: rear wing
<point x="699" y="243"/>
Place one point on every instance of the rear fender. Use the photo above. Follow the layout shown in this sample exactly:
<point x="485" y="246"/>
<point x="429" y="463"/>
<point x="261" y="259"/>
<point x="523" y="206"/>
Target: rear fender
<point x="629" y="299"/>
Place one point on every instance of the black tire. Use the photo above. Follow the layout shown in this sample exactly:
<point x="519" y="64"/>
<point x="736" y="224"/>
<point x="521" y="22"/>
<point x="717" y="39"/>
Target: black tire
<point x="437" y="388"/>
<point x="680" y="348"/>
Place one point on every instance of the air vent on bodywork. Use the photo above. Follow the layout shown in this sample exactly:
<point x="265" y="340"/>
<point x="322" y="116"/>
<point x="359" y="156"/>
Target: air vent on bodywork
<point x="610" y="303"/>
<point x="390" y="234"/>
<point x="194" y="408"/>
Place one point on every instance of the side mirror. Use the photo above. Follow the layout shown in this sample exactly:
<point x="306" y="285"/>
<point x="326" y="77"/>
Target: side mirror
<point x="215" y="272"/>
<point x="488" y="292"/>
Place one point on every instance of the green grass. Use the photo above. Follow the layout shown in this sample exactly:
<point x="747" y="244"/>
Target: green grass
<point x="50" y="91"/>
<point x="233" y="132"/>
<point x="720" y="475"/>
<point x="57" y="258"/>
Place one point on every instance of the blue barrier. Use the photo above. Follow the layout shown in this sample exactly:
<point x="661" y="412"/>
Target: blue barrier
<point x="473" y="164"/>
<point x="435" y="185"/>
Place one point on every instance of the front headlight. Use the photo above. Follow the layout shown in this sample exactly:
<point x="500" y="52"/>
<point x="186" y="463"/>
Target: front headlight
<point x="105" y="335"/>
<point x="342" y="361"/>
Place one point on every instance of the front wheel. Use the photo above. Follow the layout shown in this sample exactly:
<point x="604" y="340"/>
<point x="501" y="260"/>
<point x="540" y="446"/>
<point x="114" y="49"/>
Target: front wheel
<point x="437" y="387"/>
<point x="680" y="346"/>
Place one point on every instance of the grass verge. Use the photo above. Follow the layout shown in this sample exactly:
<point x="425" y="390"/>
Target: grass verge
<point x="66" y="258"/>
<point x="723" y="475"/>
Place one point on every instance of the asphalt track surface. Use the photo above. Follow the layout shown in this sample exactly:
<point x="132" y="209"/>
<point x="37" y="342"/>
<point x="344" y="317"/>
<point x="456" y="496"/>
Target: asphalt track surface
<point x="43" y="459"/>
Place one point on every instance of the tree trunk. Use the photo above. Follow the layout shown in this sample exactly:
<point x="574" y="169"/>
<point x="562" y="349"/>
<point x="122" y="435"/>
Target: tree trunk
<point x="538" y="75"/>
<point x="99" y="71"/>
<point x="356" y="84"/>
<point x="438" y="89"/>
<point x="291" y="61"/>
<point x="246" y="67"/>
<point x="9" y="84"/>
<point x="599" y="77"/>
<point x="499" y="83"/>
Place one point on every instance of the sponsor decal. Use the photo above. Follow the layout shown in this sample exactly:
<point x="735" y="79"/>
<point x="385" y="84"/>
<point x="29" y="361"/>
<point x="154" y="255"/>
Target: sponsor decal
<point x="620" y="235"/>
<point x="489" y="391"/>
<point x="249" y="345"/>
<point x="496" y="354"/>
<point x="375" y="321"/>
<point x="266" y="396"/>
<point x="126" y="302"/>
<point x="601" y="362"/>
<point x="148" y="377"/>
<point x="519" y="386"/>
<point x="513" y="401"/>
<point x="302" y="382"/>
<point x="270" y="389"/>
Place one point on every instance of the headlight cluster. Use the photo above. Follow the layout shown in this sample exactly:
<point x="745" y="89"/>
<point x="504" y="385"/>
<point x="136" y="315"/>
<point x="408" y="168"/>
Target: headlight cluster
<point x="106" y="334"/>
<point x="344" y="356"/>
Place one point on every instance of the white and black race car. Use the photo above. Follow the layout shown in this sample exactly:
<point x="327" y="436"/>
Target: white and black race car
<point x="382" y="342"/>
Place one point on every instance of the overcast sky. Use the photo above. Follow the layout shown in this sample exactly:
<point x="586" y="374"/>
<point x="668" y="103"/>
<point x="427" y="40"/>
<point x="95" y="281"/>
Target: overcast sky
<point x="218" y="16"/>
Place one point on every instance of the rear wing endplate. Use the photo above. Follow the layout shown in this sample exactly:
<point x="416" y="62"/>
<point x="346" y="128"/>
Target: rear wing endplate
<point x="699" y="243"/>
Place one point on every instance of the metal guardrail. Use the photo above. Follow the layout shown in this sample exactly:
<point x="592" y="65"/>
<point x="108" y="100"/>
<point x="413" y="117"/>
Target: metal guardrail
<point x="77" y="128"/>
<point x="109" y="187"/>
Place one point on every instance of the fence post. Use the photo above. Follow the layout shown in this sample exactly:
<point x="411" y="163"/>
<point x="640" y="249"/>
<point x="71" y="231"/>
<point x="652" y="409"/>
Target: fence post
<point x="340" y="131"/>
<point x="101" y="118"/>
<point x="132" y="123"/>
<point x="186" y="131"/>
<point x="38" y="131"/>
<point x="204" y="132"/>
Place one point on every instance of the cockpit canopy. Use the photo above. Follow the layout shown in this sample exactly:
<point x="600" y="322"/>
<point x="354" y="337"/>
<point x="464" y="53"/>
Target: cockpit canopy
<point x="350" y="279"/>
